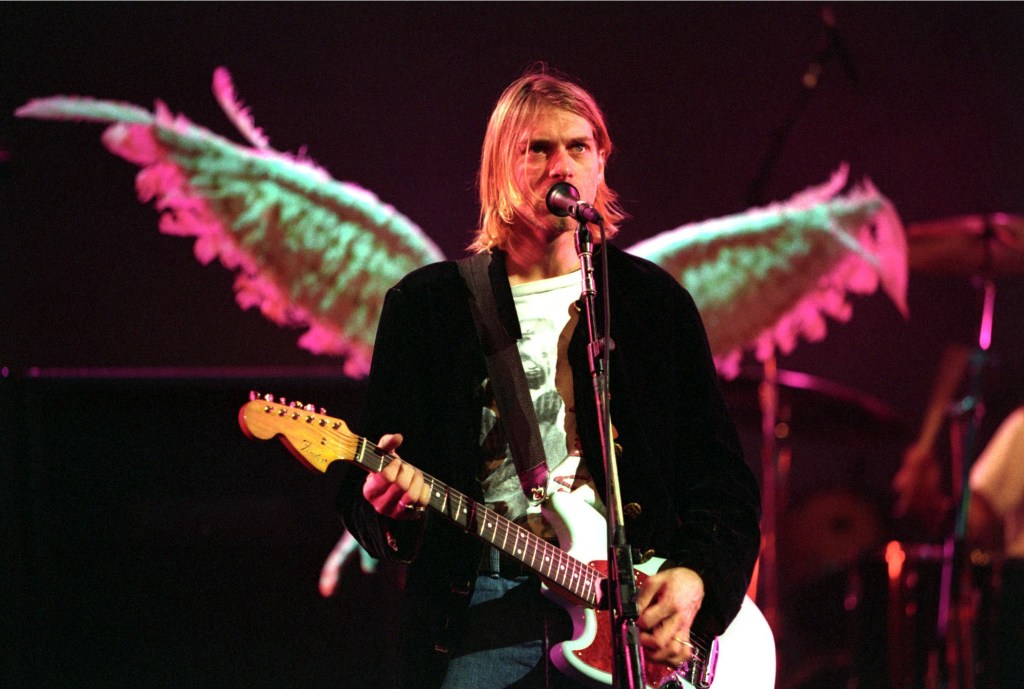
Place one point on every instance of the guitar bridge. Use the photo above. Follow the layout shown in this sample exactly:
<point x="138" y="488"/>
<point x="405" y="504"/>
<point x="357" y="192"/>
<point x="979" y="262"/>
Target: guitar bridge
<point x="696" y="673"/>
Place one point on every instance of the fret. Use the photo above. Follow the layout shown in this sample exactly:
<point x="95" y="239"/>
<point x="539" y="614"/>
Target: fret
<point x="588" y="582"/>
<point x="545" y="561"/>
<point x="461" y="511"/>
<point x="361" y="453"/>
<point x="517" y="548"/>
<point x="485" y="524"/>
<point x="561" y="567"/>
<point x="444" y="500"/>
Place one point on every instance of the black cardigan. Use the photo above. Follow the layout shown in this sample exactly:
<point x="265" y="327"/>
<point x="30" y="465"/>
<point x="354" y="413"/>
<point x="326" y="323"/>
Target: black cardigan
<point x="681" y="460"/>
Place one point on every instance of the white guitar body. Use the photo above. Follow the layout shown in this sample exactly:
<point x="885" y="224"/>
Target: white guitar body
<point x="746" y="650"/>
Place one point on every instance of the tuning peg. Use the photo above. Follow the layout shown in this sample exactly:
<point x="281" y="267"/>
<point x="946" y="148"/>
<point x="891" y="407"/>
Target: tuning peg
<point x="310" y="407"/>
<point x="253" y="395"/>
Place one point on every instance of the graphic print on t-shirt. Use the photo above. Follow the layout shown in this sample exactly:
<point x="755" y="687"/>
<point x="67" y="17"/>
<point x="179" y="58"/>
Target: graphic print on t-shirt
<point x="547" y="317"/>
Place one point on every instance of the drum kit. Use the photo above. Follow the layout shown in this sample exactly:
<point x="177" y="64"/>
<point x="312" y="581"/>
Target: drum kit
<point x="851" y="604"/>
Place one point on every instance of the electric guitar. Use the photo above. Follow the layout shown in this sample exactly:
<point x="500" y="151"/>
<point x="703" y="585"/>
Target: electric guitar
<point x="743" y="657"/>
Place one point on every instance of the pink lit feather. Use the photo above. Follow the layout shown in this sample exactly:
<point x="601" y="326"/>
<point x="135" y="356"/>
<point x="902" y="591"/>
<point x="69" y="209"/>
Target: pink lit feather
<point x="237" y="112"/>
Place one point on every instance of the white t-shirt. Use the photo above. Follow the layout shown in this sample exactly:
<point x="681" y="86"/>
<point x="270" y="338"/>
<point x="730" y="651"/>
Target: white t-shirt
<point x="547" y="318"/>
<point x="998" y="475"/>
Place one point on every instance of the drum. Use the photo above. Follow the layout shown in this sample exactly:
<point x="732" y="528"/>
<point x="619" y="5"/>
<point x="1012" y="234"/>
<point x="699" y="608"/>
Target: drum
<point x="888" y="621"/>
<point x="823" y="541"/>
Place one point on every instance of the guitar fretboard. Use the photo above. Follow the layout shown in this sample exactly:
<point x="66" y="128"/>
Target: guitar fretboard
<point x="546" y="559"/>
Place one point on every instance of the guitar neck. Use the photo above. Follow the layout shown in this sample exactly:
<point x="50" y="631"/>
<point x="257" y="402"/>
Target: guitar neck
<point x="546" y="559"/>
<point x="317" y="440"/>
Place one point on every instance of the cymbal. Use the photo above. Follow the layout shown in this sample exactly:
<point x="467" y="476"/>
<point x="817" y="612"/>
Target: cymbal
<point x="989" y="245"/>
<point x="815" y="402"/>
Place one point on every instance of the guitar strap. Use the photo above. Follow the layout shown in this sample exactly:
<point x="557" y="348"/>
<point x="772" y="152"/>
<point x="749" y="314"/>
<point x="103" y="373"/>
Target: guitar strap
<point x="484" y="273"/>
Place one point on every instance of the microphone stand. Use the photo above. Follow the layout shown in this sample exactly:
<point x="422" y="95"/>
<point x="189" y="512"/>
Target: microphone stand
<point x="627" y="672"/>
<point x="774" y="478"/>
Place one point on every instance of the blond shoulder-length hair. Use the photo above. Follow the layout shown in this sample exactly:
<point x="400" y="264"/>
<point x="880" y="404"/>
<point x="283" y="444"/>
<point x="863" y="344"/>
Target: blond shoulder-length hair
<point x="516" y="109"/>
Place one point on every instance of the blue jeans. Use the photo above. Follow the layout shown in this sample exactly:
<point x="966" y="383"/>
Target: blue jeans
<point x="507" y="631"/>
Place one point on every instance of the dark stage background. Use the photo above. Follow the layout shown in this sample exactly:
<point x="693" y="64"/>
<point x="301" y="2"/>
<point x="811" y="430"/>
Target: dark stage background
<point x="147" y="543"/>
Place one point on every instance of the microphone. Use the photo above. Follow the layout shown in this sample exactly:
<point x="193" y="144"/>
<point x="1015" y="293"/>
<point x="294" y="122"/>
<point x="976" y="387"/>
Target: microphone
<point x="563" y="200"/>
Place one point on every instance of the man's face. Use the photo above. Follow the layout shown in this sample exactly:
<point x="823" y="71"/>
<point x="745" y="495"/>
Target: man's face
<point x="558" y="146"/>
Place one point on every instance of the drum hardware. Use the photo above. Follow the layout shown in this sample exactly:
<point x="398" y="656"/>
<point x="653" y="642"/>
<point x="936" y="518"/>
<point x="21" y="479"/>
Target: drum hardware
<point x="984" y="248"/>
<point x="824" y="528"/>
<point x="988" y="246"/>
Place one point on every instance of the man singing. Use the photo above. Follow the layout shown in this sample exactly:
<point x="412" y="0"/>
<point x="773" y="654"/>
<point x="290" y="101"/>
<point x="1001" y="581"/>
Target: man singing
<point x="474" y="617"/>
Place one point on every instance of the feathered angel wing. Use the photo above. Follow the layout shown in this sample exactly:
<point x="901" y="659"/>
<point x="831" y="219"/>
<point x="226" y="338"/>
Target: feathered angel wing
<point x="766" y="277"/>
<point x="308" y="250"/>
<point x="313" y="252"/>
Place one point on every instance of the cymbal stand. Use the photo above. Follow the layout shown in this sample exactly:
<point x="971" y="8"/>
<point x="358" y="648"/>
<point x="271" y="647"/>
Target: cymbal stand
<point x="966" y="418"/>
<point x="771" y="482"/>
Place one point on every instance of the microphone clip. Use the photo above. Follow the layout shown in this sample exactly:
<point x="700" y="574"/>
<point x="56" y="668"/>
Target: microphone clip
<point x="585" y="250"/>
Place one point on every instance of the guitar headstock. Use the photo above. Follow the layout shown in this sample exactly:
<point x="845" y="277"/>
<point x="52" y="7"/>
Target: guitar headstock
<point x="314" y="438"/>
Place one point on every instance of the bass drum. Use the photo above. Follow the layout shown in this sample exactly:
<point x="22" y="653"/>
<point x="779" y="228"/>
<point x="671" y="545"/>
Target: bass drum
<point x="822" y="542"/>
<point x="825" y="534"/>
